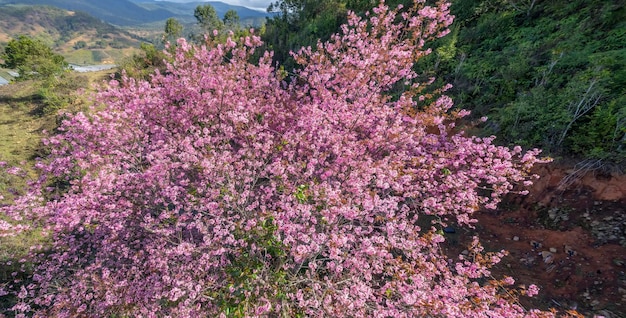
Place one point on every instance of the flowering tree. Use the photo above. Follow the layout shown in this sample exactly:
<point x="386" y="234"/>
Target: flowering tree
<point x="217" y="189"/>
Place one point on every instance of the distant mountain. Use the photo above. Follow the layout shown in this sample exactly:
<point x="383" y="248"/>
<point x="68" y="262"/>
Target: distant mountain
<point x="138" y="12"/>
<point x="119" y="12"/>
<point x="183" y="10"/>
<point x="80" y="37"/>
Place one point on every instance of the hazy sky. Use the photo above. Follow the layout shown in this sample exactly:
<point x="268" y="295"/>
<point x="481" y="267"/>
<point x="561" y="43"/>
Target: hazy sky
<point x="255" y="4"/>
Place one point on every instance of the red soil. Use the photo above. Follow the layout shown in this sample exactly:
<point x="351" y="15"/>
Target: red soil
<point x="568" y="240"/>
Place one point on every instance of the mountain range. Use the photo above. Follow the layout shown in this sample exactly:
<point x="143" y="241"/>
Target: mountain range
<point x="80" y="37"/>
<point x="140" y="12"/>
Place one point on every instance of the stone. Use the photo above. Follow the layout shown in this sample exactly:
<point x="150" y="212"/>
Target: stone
<point x="548" y="258"/>
<point x="569" y="250"/>
<point x="449" y="230"/>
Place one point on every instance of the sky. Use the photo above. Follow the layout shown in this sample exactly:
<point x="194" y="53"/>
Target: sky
<point x="253" y="4"/>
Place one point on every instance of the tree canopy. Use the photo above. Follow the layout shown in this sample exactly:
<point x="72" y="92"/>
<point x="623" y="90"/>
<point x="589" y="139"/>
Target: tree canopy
<point x="231" y="20"/>
<point x="207" y="18"/>
<point x="32" y="58"/>
<point x="173" y="30"/>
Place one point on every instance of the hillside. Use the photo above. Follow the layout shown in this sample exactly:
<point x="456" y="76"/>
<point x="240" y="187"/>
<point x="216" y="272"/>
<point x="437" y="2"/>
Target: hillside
<point x="141" y="13"/>
<point x="184" y="11"/>
<point x="552" y="76"/>
<point x="119" y="12"/>
<point x="81" y="38"/>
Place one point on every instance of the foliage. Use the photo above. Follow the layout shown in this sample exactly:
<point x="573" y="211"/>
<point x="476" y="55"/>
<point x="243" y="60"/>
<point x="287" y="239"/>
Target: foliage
<point x="58" y="93"/>
<point x="551" y="77"/>
<point x="173" y="30"/>
<point x="32" y="58"/>
<point x="530" y="77"/>
<point x="80" y="45"/>
<point x="301" y="23"/>
<point x="143" y="65"/>
<point x="215" y="188"/>
<point x="231" y="20"/>
<point x="207" y="18"/>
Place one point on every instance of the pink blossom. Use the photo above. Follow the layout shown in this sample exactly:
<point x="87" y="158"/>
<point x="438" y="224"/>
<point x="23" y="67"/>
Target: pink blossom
<point x="532" y="290"/>
<point x="216" y="186"/>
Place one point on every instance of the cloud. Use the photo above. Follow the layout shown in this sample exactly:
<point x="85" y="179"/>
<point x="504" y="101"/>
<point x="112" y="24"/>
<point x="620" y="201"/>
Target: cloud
<point x="260" y="5"/>
<point x="253" y="4"/>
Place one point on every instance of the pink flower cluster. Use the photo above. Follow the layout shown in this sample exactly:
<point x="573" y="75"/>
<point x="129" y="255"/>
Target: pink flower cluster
<point x="217" y="189"/>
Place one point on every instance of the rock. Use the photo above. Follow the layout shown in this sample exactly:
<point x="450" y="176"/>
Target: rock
<point x="528" y="260"/>
<point x="547" y="257"/>
<point x="535" y="244"/>
<point x="552" y="250"/>
<point x="569" y="250"/>
<point x="515" y="238"/>
<point x="449" y="230"/>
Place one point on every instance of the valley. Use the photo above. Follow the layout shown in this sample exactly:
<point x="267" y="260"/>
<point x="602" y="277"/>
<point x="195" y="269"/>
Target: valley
<point x="95" y="32"/>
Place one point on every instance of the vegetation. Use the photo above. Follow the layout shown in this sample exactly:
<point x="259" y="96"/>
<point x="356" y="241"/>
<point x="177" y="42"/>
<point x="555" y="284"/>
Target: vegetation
<point x="173" y="30"/>
<point x="74" y="35"/>
<point x="32" y="58"/>
<point x="25" y="114"/>
<point x="142" y="65"/>
<point x="231" y="20"/>
<point x="549" y="74"/>
<point x="207" y="18"/>
<point x="551" y="77"/>
<point x="224" y="186"/>
<point x="217" y="189"/>
<point x="209" y="23"/>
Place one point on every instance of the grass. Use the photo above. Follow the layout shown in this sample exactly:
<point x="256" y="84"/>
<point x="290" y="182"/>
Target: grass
<point x="20" y="133"/>
<point x="87" y="56"/>
<point x="21" y="121"/>
<point x="21" y="128"/>
<point x="81" y="57"/>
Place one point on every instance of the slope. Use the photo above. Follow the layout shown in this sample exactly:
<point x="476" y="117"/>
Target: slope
<point x="119" y="12"/>
<point x="81" y="38"/>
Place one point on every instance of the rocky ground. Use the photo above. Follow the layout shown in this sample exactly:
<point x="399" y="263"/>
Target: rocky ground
<point x="568" y="238"/>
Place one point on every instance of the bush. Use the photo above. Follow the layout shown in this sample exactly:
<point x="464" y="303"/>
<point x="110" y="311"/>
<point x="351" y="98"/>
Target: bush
<point x="57" y="93"/>
<point x="217" y="189"/>
<point x="32" y="58"/>
<point x="143" y="65"/>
